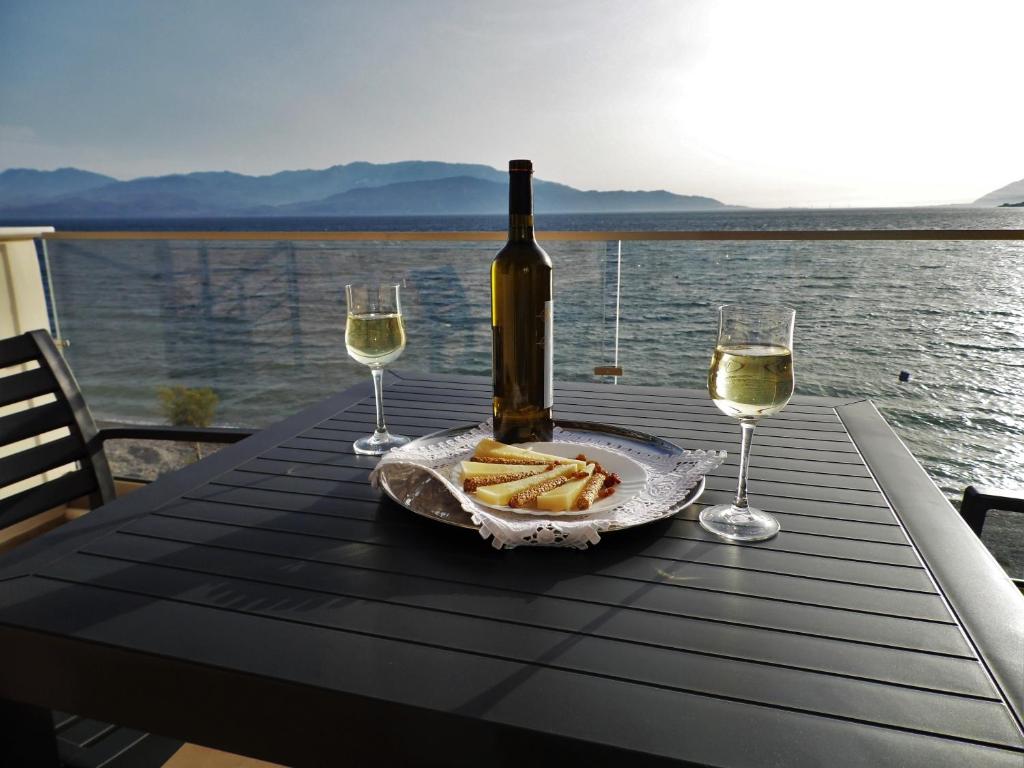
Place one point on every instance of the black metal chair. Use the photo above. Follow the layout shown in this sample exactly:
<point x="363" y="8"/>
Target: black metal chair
<point x="51" y="400"/>
<point x="48" y="387"/>
<point x="977" y="502"/>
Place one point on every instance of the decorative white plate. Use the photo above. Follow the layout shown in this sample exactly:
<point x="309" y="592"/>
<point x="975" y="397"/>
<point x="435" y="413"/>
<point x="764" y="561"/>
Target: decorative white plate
<point x="418" y="476"/>
<point x="630" y="473"/>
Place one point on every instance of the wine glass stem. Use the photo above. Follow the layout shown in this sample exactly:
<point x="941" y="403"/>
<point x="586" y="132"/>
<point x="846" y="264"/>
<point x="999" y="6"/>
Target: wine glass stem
<point x="378" y="391"/>
<point x="747" y="427"/>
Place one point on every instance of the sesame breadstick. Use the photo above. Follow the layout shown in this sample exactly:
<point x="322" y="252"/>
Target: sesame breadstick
<point x="590" y="491"/>
<point x="470" y="484"/>
<point x="523" y="498"/>
<point x="611" y="478"/>
<point x="507" y="460"/>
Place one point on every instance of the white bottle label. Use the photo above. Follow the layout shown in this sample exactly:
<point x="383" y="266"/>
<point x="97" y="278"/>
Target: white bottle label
<point x="549" y="354"/>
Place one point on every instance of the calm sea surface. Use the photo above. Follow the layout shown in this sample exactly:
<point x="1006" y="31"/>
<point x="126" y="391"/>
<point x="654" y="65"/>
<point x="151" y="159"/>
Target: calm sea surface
<point x="262" y="323"/>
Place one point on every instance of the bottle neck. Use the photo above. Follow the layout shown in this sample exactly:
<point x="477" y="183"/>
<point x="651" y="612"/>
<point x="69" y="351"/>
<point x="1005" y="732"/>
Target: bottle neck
<point x="520" y="205"/>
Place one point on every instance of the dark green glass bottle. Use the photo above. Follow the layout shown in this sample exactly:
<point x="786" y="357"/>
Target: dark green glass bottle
<point x="522" y="322"/>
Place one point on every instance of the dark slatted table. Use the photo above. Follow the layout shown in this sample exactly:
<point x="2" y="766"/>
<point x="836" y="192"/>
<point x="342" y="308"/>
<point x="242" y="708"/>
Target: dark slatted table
<point x="267" y="601"/>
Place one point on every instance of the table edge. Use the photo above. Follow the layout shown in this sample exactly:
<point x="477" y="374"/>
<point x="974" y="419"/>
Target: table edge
<point x="984" y="601"/>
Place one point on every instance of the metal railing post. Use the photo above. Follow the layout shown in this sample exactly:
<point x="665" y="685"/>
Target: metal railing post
<point x="51" y="300"/>
<point x="618" y="296"/>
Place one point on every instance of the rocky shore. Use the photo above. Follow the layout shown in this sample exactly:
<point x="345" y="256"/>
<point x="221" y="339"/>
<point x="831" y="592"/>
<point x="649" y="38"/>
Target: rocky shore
<point x="149" y="459"/>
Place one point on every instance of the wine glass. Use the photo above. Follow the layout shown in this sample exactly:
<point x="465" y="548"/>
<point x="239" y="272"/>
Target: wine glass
<point x="375" y="336"/>
<point x="751" y="376"/>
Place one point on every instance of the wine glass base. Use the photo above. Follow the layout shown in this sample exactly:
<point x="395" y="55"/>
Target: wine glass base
<point x="379" y="444"/>
<point x="736" y="524"/>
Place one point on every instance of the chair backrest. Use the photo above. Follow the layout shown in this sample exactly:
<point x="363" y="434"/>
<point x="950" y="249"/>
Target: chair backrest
<point x="45" y="397"/>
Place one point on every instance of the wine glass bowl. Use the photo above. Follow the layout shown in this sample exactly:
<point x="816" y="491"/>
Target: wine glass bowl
<point x="748" y="381"/>
<point x="751" y="376"/>
<point x="375" y="337"/>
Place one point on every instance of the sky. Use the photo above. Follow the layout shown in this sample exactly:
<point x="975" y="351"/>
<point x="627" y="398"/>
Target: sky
<point x="781" y="103"/>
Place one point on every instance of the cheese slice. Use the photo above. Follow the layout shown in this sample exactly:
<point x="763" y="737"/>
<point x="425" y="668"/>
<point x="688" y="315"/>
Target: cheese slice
<point x="499" y="495"/>
<point x="563" y="497"/>
<point x="493" y="449"/>
<point x="480" y="469"/>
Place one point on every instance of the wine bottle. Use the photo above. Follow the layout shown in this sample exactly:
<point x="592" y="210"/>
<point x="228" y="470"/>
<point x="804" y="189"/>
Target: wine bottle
<point x="522" y="322"/>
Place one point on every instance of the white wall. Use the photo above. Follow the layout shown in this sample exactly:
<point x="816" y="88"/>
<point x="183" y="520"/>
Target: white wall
<point x="22" y="303"/>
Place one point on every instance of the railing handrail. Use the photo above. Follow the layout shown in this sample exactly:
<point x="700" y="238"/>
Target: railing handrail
<point x="708" y="235"/>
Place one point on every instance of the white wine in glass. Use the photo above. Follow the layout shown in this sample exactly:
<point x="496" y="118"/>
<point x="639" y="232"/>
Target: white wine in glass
<point x="751" y="376"/>
<point x="375" y="336"/>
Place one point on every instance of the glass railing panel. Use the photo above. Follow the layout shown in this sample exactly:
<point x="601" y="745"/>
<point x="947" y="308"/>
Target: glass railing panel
<point x="949" y="313"/>
<point x="262" y="322"/>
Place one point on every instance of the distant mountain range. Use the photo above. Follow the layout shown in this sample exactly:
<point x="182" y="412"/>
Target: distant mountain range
<point x="24" y="186"/>
<point x="1011" y="193"/>
<point x="359" y="188"/>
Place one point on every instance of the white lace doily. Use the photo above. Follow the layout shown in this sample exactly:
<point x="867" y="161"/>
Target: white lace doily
<point x="669" y="479"/>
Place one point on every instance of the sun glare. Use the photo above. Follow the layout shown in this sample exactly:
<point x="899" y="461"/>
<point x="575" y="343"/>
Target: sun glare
<point x="858" y="94"/>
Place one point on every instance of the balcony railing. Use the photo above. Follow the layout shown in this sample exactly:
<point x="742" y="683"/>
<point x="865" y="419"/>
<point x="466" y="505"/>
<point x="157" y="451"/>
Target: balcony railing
<point x="259" y="317"/>
<point x="496" y="236"/>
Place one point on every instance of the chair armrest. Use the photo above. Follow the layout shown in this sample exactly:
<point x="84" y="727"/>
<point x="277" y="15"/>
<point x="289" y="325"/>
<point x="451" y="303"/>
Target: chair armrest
<point x="978" y="501"/>
<point x="178" y="434"/>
